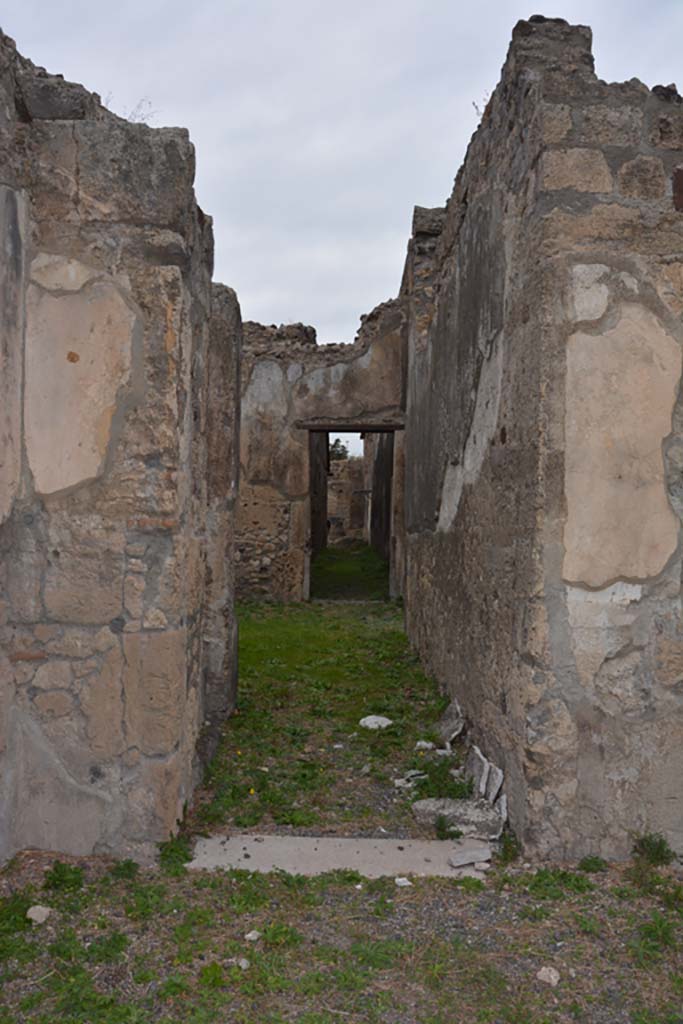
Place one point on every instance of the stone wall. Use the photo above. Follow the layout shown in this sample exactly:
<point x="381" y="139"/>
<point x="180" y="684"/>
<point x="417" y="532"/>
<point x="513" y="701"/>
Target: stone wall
<point x="379" y="459"/>
<point x="346" y="499"/>
<point x="544" y="446"/>
<point x="116" y="625"/>
<point x="290" y="387"/>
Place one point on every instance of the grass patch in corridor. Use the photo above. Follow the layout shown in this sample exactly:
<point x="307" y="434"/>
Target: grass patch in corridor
<point x="349" y="571"/>
<point x="294" y="758"/>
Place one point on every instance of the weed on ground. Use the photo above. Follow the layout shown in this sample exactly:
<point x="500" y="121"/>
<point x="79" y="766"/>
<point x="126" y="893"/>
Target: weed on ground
<point x="129" y="948"/>
<point x="294" y="758"/>
<point x="125" y="944"/>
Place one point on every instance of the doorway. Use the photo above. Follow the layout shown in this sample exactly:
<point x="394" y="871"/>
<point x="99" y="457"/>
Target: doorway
<point x="351" y="514"/>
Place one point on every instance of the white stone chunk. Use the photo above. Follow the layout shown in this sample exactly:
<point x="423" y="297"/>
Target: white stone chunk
<point x="549" y="976"/>
<point x="38" y="914"/>
<point x="375" y="722"/>
<point x="494" y="783"/>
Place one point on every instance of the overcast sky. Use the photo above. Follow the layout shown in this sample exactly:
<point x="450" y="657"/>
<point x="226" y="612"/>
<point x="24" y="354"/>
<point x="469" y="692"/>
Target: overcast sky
<point x="319" y="125"/>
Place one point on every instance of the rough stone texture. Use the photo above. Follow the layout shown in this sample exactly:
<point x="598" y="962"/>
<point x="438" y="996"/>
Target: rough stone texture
<point x="346" y="499"/>
<point x="378" y="456"/>
<point x="314" y="855"/>
<point x="544" y="447"/>
<point x="118" y="469"/>
<point x="290" y="387"/>
<point x="475" y="817"/>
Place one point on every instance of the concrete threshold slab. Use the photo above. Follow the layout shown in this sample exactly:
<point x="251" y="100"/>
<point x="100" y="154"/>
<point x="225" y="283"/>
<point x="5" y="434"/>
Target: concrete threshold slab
<point x="311" y="855"/>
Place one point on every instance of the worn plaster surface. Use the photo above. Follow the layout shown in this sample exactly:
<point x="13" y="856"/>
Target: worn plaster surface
<point x="117" y="631"/>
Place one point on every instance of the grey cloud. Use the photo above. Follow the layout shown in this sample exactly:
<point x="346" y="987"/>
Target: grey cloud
<point x="319" y="126"/>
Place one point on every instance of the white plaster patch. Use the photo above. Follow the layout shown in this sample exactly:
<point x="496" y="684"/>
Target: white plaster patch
<point x="59" y="274"/>
<point x="602" y="624"/>
<point x="620" y="393"/>
<point x="78" y="356"/>
<point x="483" y="428"/>
<point x="589" y="296"/>
<point x="629" y="281"/>
<point x="266" y="391"/>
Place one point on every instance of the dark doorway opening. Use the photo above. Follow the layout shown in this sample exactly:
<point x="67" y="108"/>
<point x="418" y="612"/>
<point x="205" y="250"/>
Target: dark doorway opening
<point x="351" y="514"/>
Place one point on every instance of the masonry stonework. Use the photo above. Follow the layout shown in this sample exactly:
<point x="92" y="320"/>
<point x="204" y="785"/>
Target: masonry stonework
<point x="544" y="446"/>
<point x="292" y="388"/>
<point x="521" y="399"/>
<point x="117" y="475"/>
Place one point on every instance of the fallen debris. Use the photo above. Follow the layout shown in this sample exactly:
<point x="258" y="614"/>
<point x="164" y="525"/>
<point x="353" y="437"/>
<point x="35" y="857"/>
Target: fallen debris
<point x="550" y="976"/>
<point x="38" y="914"/>
<point x="424" y="745"/>
<point x="469" y="852"/>
<point x="375" y="722"/>
<point x="452" y="723"/>
<point x="476" y="818"/>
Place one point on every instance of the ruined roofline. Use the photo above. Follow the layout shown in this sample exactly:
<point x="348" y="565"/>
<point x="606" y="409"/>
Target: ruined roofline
<point x="41" y="95"/>
<point x="298" y="340"/>
<point x="555" y="59"/>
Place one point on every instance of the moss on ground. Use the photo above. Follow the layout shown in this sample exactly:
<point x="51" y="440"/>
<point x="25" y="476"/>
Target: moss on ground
<point x="351" y="571"/>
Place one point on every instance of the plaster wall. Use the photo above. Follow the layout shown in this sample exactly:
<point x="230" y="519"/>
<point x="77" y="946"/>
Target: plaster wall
<point x="114" y="538"/>
<point x="543" y="446"/>
<point x="292" y="386"/>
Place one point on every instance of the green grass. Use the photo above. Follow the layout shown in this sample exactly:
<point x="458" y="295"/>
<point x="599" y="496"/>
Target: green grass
<point x="294" y="756"/>
<point x="349" y="572"/>
<point x="131" y="945"/>
<point x="653" y="848"/>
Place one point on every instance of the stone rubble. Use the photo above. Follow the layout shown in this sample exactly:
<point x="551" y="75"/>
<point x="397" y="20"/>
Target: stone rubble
<point x="375" y="722"/>
<point x="38" y="913"/>
<point x="475" y="817"/>
<point x="549" y="976"/>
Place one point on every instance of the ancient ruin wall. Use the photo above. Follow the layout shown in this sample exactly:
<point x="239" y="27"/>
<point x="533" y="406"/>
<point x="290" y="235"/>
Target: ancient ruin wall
<point x="346" y="499"/>
<point x="544" y="446"/>
<point x="290" y="387"/>
<point x="113" y="550"/>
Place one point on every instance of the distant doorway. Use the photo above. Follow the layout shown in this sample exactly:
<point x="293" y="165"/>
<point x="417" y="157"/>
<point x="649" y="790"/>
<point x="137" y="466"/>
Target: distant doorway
<point x="351" y="514"/>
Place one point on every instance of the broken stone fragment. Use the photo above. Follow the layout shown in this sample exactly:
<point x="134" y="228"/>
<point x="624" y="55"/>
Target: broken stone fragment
<point x="403" y="883"/>
<point x="375" y="722"/>
<point x="475" y="818"/>
<point x="494" y="784"/>
<point x="253" y="936"/>
<point x="477" y="767"/>
<point x="452" y="723"/>
<point x="469" y="851"/>
<point x="424" y="745"/>
<point x="549" y="975"/>
<point x="409" y="780"/>
<point x="38" y="914"/>
<point x="471" y="871"/>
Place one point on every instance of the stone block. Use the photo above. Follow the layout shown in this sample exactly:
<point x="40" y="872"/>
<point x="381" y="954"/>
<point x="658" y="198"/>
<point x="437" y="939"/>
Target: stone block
<point x="154" y="683"/>
<point x="642" y="178"/>
<point x="583" y="170"/>
<point x="79" y="351"/>
<point x="84" y="576"/>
